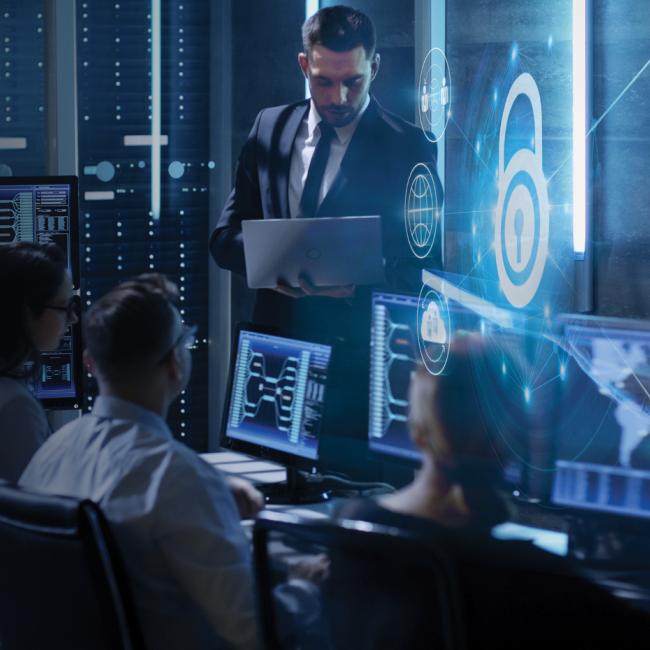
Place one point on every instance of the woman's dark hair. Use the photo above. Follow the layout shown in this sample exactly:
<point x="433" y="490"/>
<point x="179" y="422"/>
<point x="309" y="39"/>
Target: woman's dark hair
<point x="340" y="29"/>
<point x="130" y="328"/>
<point x="453" y="412"/>
<point x="30" y="277"/>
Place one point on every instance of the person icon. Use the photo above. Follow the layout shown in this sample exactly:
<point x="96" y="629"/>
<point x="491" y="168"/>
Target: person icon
<point x="424" y="99"/>
<point x="444" y="92"/>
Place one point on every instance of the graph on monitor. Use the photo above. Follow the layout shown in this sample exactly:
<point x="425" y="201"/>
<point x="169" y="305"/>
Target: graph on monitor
<point x="393" y="358"/>
<point x="277" y="393"/>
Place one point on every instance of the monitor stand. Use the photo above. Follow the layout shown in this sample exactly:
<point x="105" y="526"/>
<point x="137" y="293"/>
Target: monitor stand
<point x="299" y="487"/>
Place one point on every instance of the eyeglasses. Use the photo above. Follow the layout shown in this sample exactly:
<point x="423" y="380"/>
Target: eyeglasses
<point x="187" y="338"/>
<point x="72" y="309"/>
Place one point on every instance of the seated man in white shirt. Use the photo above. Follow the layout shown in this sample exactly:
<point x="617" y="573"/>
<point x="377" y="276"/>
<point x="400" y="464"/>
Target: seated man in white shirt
<point x="173" y="515"/>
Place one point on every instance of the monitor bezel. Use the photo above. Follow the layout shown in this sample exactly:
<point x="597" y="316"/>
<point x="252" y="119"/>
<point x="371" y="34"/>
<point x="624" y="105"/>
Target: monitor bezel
<point x="75" y="402"/>
<point x="293" y="461"/>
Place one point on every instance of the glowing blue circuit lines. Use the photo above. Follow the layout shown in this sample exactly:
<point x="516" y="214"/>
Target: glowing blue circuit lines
<point x="253" y="387"/>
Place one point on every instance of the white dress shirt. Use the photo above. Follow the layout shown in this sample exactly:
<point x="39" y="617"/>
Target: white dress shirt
<point x="303" y="150"/>
<point x="172" y="515"/>
<point x="23" y="428"/>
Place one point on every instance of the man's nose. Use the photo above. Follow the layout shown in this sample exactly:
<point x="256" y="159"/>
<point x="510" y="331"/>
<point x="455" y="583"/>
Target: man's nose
<point x="340" y="95"/>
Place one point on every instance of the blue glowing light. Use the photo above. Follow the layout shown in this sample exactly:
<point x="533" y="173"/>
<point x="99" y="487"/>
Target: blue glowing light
<point x="514" y="52"/>
<point x="155" y="107"/>
<point x="176" y="169"/>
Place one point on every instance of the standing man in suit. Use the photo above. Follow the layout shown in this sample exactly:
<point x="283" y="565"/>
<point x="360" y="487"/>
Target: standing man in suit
<point x="338" y="154"/>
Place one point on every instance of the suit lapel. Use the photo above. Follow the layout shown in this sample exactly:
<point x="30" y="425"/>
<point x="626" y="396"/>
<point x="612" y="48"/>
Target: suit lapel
<point x="285" y="148"/>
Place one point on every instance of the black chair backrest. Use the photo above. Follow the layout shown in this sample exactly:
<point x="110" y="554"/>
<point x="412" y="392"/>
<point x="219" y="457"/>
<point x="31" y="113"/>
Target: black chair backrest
<point x="61" y="580"/>
<point x="386" y="587"/>
<point x="391" y="588"/>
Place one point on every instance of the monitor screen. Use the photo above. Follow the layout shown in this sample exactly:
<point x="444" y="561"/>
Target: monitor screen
<point x="44" y="210"/>
<point x="395" y="352"/>
<point x="603" y="429"/>
<point x="277" y="390"/>
<point x="393" y="357"/>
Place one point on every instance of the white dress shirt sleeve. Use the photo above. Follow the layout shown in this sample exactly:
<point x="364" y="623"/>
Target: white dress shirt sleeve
<point x="199" y="535"/>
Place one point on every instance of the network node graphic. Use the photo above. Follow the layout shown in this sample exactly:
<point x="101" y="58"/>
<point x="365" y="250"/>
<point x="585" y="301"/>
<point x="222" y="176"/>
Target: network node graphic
<point x="521" y="230"/>
<point x="434" y="94"/>
<point x="16" y="220"/>
<point x="421" y="211"/>
<point x="434" y="330"/>
<point x="278" y="393"/>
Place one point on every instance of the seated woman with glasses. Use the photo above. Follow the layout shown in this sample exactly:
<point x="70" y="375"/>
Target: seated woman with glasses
<point x="38" y="306"/>
<point x="511" y="592"/>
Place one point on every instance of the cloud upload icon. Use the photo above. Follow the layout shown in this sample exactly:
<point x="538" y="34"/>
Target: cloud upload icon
<point x="433" y="328"/>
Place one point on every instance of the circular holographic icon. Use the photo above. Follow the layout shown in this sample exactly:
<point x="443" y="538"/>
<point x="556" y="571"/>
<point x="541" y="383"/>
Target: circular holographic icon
<point x="434" y="330"/>
<point x="434" y="94"/>
<point x="421" y="210"/>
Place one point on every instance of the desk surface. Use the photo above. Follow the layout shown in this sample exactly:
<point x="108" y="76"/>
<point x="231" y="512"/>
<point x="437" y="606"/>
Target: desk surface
<point x="632" y="586"/>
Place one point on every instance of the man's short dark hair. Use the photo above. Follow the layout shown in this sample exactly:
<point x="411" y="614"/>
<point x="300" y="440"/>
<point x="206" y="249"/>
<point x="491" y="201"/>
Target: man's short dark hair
<point x="340" y="29"/>
<point x="130" y="328"/>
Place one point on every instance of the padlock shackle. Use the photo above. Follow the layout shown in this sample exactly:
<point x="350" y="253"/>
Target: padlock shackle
<point x="524" y="84"/>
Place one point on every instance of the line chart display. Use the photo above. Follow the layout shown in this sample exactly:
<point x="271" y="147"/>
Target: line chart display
<point x="393" y="358"/>
<point x="278" y="393"/>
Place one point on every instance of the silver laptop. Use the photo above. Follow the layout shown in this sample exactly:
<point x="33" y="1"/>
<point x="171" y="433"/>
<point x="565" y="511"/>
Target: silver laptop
<point x="331" y="251"/>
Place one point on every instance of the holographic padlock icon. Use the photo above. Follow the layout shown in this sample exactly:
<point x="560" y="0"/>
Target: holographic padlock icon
<point x="522" y="212"/>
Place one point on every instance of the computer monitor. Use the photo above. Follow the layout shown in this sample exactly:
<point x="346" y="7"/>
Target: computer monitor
<point x="394" y="355"/>
<point x="393" y="358"/>
<point x="603" y="424"/>
<point x="44" y="210"/>
<point x="395" y="352"/>
<point x="276" y="397"/>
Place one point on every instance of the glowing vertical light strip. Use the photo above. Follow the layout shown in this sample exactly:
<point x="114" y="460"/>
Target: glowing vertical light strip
<point x="580" y="96"/>
<point x="311" y="7"/>
<point x="155" y="109"/>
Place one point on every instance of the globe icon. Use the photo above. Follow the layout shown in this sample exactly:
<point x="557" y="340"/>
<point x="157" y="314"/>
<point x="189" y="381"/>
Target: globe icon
<point x="421" y="211"/>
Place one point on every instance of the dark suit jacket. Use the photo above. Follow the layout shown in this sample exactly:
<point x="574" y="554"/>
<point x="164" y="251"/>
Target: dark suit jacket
<point x="372" y="180"/>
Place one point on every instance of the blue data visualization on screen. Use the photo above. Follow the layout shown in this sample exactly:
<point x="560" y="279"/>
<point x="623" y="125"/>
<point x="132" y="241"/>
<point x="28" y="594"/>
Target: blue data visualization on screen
<point x="393" y="358"/>
<point x="41" y="212"/>
<point x="278" y="393"/>
<point x="603" y="461"/>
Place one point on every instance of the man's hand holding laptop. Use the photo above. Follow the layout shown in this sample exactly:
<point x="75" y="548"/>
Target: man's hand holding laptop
<point x="307" y="288"/>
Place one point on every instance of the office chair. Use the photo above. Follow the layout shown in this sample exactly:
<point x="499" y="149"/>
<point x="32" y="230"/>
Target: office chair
<point x="61" y="579"/>
<point x="386" y="588"/>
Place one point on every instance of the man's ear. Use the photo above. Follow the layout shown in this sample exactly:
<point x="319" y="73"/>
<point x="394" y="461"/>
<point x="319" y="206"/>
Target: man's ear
<point x="173" y="365"/>
<point x="374" y="66"/>
<point x="303" y="62"/>
<point x="89" y="362"/>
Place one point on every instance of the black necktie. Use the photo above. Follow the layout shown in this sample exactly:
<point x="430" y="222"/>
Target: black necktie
<point x="311" y="191"/>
